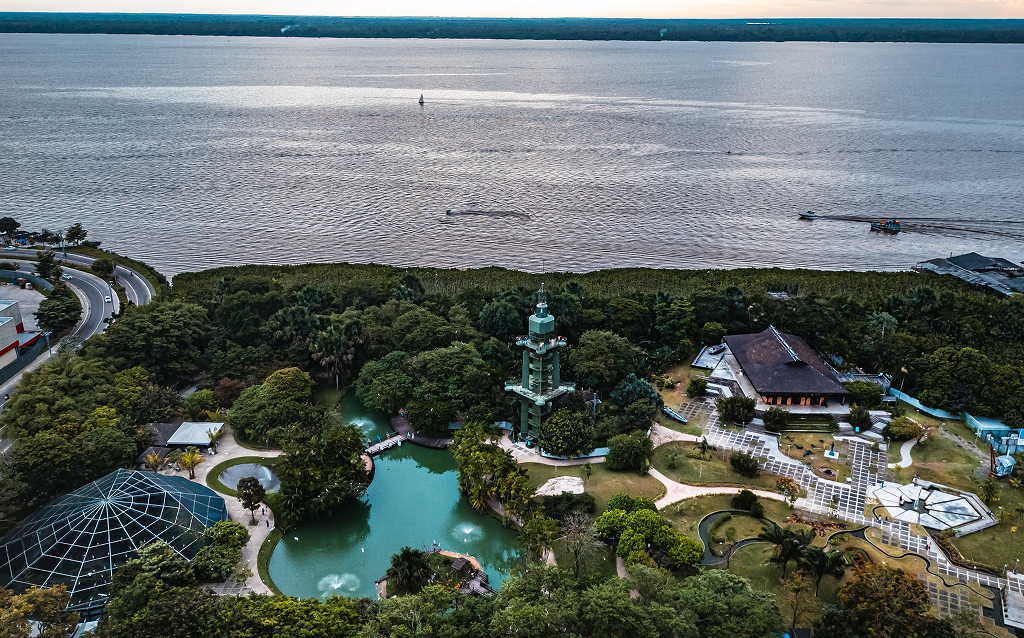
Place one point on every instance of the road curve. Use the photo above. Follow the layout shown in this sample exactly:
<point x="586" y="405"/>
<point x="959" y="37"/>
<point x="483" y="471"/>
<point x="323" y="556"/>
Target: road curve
<point x="95" y="290"/>
<point x="138" y="289"/>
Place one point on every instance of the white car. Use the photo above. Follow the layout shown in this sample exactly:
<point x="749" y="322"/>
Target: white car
<point x="10" y="248"/>
<point x="66" y="276"/>
<point x="107" y="299"/>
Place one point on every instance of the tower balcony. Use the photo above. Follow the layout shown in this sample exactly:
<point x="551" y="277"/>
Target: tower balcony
<point x="541" y="346"/>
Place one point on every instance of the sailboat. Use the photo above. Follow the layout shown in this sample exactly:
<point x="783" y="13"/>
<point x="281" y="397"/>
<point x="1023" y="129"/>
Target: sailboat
<point x="421" y="99"/>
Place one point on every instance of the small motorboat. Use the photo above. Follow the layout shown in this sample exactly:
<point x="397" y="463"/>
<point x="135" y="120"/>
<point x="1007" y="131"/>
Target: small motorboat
<point x="421" y="99"/>
<point x="808" y="215"/>
<point x="886" y="225"/>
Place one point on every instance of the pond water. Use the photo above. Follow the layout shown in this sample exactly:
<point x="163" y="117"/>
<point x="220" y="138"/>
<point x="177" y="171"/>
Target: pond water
<point x="230" y="476"/>
<point x="414" y="500"/>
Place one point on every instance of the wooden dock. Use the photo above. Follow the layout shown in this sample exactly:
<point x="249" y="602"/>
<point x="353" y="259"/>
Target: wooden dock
<point x="401" y="425"/>
<point x="386" y="444"/>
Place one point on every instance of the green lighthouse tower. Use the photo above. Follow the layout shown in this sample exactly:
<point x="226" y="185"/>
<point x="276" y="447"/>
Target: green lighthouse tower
<point x="541" y="381"/>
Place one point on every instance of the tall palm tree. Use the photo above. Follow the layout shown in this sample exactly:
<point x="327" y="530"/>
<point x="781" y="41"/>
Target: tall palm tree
<point x="190" y="460"/>
<point x="819" y="563"/>
<point x="215" y="436"/>
<point x="154" y="461"/>
<point x="409" y="570"/>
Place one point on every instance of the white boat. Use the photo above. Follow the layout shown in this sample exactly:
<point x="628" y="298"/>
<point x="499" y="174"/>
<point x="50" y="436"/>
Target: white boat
<point x="808" y="215"/>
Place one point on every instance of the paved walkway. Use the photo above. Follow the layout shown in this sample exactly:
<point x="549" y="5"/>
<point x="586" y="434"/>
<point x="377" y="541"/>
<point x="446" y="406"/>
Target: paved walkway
<point x="906" y="461"/>
<point x="229" y="449"/>
<point x="660" y="435"/>
<point x="523" y="454"/>
<point x="678" y="491"/>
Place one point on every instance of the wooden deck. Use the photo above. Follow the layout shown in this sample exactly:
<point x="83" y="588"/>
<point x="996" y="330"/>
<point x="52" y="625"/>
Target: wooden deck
<point x="401" y="425"/>
<point x="391" y="442"/>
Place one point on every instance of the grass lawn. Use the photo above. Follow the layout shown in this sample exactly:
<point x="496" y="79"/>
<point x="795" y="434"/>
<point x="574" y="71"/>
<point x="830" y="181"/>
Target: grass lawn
<point x="690" y="427"/>
<point x="603" y="484"/>
<point x="712" y="472"/>
<point x="213" y="481"/>
<point x="263" y="559"/>
<point x="327" y="396"/>
<point x="940" y="460"/>
<point x="682" y="374"/>
<point x="796" y="445"/>
<point x="999" y="545"/>
<point x="684" y="516"/>
<point x="600" y="564"/>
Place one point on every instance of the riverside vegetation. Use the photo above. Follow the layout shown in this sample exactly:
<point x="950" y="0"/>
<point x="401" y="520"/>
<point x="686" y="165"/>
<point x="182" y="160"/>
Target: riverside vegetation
<point x="442" y="343"/>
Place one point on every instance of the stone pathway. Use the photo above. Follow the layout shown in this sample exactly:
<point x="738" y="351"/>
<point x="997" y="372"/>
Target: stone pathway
<point x="229" y="449"/>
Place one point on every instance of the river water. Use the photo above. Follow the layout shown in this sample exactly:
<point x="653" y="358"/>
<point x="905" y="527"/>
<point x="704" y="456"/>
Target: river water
<point x="413" y="500"/>
<point x="193" y="152"/>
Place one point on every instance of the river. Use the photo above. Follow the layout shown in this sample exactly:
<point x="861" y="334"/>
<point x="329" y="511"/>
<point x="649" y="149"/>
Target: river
<point x="413" y="500"/>
<point x="193" y="152"/>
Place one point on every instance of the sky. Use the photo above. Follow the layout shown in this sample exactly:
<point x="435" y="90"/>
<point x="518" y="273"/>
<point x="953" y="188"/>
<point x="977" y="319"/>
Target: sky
<point x="552" y="8"/>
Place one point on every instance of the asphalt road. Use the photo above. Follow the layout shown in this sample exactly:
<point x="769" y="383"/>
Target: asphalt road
<point x="138" y="289"/>
<point x="95" y="310"/>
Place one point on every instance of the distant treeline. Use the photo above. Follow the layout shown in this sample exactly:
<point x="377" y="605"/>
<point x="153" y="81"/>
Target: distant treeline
<point x="747" y="30"/>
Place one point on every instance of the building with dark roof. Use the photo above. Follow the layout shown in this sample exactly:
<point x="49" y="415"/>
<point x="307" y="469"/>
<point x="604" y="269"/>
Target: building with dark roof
<point x="80" y="538"/>
<point x="784" y="370"/>
<point x="980" y="263"/>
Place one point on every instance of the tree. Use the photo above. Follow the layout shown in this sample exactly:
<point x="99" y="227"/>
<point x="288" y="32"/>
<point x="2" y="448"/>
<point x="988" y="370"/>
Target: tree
<point x="60" y="311"/>
<point x="536" y="534"/>
<point x="409" y="570"/>
<point x="37" y="612"/>
<point x="227" y="391"/>
<point x="955" y="378"/>
<point x="775" y="419"/>
<point x="251" y="493"/>
<point x="601" y="359"/>
<point x="431" y="417"/>
<point x="190" y="460"/>
<point x="567" y="433"/>
<point x="864" y="393"/>
<point x="581" y="540"/>
<point x="744" y="463"/>
<point x="47" y="267"/>
<point x="629" y="451"/>
<point x="712" y="332"/>
<point x="632" y="389"/>
<point x="456" y="375"/>
<point x="105" y="449"/>
<point x="198" y="404"/>
<point x="383" y="385"/>
<point x="103" y="267"/>
<point x="8" y="226"/>
<point x="289" y="383"/>
<point x="500" y="319"/>
<point x="989" y="490"/>
<point x="736" y="409"/>
<point x="723" y="605"/>
<point x="877" y="601"/>
<point x="902" y="428"/>
<point x="165" y="338"/>
<point x="796" y="592"/>
<point x="859" y="418"/>
<point x="154" y="461"/>
<point x="697" y="387"/>
<point x="788" y="545"/>
<point x="45" y="463"/>
<point x="882" y="321"/>
<point x="819" y="563"/>
<point x="75" y="234"/>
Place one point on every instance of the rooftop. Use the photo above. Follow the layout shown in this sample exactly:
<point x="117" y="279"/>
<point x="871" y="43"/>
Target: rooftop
<point x="780" y="363"/>
<point x="194" y="433"/>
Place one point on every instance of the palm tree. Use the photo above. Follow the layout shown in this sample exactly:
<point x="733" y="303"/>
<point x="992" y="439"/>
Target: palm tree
<point x="189" y="461"/>
<point x="409" y="570"/>
<point x="789" y="545"/>
<point x="215" y="436"/>
<point x="820" y="563"/>
<point x="154" y="461"/>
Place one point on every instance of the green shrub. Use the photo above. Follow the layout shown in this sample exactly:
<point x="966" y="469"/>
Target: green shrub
<point x="902" y="429"/>
<point x="775" y="419"/>
<point x="214" y="562"/>
<point x="629" y="451"/>
<point x="859" y="418"/>
<point x="561" y="505"/>
<point x="745" y="500"/>
<point x="736" y="409"/>
<point x="864" y="393"/>
<point x="229" y="534"/>
<point x="744" y="463"/>
<point x="697" y="388"/>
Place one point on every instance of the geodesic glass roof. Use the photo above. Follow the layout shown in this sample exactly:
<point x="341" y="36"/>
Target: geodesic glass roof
<point x="81" y="537"/>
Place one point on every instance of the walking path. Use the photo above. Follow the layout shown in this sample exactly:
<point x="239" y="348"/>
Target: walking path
<point x="660" y="435"/>
<point x="906" y="461"/>
<point x="678" y="491"/>
<point x="229" y="449"/>
<point x="523" y="454"/>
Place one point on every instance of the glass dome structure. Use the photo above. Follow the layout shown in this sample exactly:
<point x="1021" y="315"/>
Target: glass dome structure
<point x="81" y="537"/>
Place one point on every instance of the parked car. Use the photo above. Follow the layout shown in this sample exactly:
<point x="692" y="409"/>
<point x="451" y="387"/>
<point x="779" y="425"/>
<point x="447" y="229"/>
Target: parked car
<point x="107" y="299"/>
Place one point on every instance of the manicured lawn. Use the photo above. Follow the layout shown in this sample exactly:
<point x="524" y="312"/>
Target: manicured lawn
<point x="682" y="374"/>
<point x="603" y="484"/>
<point x="796" y="445"/>
<point x="998" y="546"/>
<point x="690" y="427"/>
<point x="711" y="472"/>
<point x="263" y="559"/>
<point x="212" y="478"/>
<point x="326" y="395"/>
<point x="941" y="460"/>
<point x="685" y="515"/>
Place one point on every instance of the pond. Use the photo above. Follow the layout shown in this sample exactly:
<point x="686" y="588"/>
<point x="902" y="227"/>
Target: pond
<point x="231" y="475"/>
<point x="414" y="500"/>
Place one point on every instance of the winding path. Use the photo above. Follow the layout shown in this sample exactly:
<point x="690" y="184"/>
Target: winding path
<point x="678" y="491"/>
<point x="906" y="461"/>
